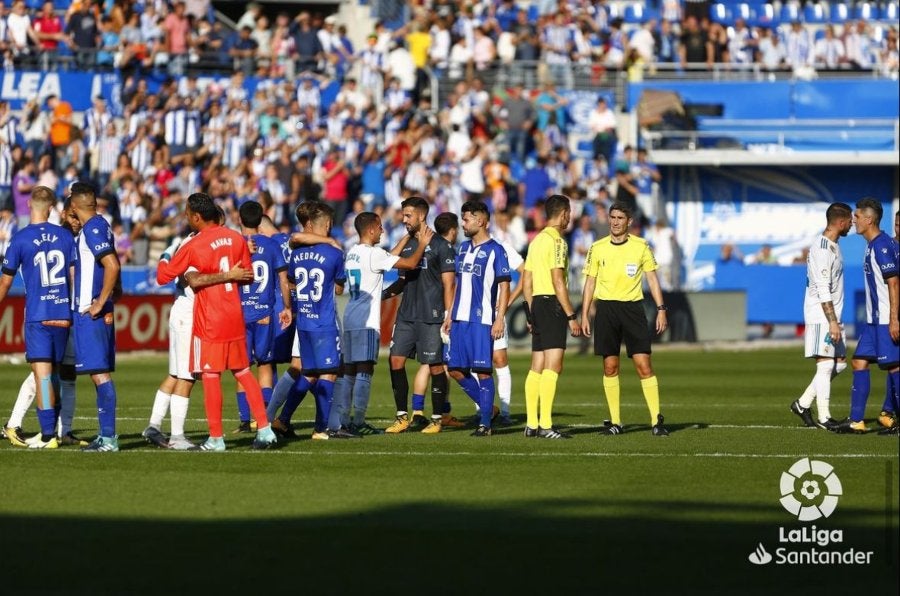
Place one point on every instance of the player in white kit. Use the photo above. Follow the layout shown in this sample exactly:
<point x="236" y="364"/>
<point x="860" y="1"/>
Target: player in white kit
<point x="822" y="308"/>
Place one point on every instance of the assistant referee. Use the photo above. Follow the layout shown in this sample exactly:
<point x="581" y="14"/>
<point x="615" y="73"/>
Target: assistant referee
<point x="549" y="312"/>
<point x="614" y="270"/>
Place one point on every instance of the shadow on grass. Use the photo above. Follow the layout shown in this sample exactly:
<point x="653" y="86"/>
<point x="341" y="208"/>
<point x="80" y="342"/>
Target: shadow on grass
<point x="557" y="546"/>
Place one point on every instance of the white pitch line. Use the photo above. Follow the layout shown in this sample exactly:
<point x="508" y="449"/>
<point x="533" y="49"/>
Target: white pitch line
<point x="597" y="425"/>
<point x="510" y="454"/>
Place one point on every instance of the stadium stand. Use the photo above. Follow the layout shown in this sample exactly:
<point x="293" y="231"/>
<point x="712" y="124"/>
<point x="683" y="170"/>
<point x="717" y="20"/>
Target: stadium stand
<point x="254" y="114"/>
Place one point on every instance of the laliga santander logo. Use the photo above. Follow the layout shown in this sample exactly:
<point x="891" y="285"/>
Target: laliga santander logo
<point x="810" y="489"/>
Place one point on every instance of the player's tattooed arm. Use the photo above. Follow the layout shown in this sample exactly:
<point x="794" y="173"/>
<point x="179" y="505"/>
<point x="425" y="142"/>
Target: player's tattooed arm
<point x="828" y="309"/>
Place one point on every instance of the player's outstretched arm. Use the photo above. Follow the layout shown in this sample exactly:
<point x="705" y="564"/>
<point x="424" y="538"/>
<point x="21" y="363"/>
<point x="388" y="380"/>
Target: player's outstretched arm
<point x="172" y="264"/>
<point x="400" y="245"/>
<point x="237" y="274"/>
<point x="412" y="261"/>
<point x="299" y="239"/>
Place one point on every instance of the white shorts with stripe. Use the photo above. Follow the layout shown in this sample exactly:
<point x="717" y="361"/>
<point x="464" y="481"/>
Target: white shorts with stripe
<point x="181" y="323"/>
<point x="818" y="342"/>
<point x="361" y="345"/>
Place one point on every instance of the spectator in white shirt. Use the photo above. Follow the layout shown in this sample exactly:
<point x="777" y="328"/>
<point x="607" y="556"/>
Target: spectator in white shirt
<point x="741" y="43"/>
<point x="643" y="41"/>
<point x="858" y="45"/>
<point x="829" y="50"/>
<point x="771" y="51"/>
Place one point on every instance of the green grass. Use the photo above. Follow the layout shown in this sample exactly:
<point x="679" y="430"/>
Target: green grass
<point x="455" y="514"/>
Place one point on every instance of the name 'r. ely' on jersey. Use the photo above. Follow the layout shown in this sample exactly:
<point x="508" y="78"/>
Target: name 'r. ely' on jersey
<point x="44" y="253"/>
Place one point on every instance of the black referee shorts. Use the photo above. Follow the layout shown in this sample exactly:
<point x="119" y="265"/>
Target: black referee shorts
<point x="615" y="322"/>
<point x="550" y="329"/>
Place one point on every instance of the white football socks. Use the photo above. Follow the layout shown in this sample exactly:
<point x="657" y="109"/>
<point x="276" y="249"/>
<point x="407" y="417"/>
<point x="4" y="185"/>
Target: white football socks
<point x="27" y="391"/>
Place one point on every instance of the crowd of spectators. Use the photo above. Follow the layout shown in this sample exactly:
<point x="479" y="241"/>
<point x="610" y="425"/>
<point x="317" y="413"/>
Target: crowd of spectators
<point x="366" y="145"/>
<point x="565" y="39"/>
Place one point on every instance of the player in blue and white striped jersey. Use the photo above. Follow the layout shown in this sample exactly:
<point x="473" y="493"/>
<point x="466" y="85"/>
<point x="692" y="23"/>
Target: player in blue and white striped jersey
<point x="880" y="334"/>
<point x="479" y="310"/>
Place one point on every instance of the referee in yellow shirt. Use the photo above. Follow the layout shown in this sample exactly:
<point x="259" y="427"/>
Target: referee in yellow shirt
<point x="614" y="269"/>
<point x="549" y="312"/>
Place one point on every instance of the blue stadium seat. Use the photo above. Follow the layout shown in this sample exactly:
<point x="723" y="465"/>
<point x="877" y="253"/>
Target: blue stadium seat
<point x="720" y="13"/>
<point x="839" y="13"/>
<point x="615" y="11"/>
<point x="820" y="34"/>
<point x="815" y="13"/>
<point x="890" y="13"/>
<point x="744" y="11"/>
<point x="533" y="14"/>
<point x="765" y="16"/>
<point x="866" y="11"/>
<point x="789" y="13"/>
<point x="635" y="13"/>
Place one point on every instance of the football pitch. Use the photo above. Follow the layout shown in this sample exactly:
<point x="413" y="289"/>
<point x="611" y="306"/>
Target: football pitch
<point x="455" y="514"/>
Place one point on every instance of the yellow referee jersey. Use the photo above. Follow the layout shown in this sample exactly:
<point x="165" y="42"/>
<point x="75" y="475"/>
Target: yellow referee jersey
<point x="547" y="251"/>
<point x="619" y="268"/>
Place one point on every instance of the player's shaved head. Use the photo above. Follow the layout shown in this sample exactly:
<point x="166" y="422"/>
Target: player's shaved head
<point x="837" y="211"/>
<point x="42" y="197"/>
<point x="251" y="214"/>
